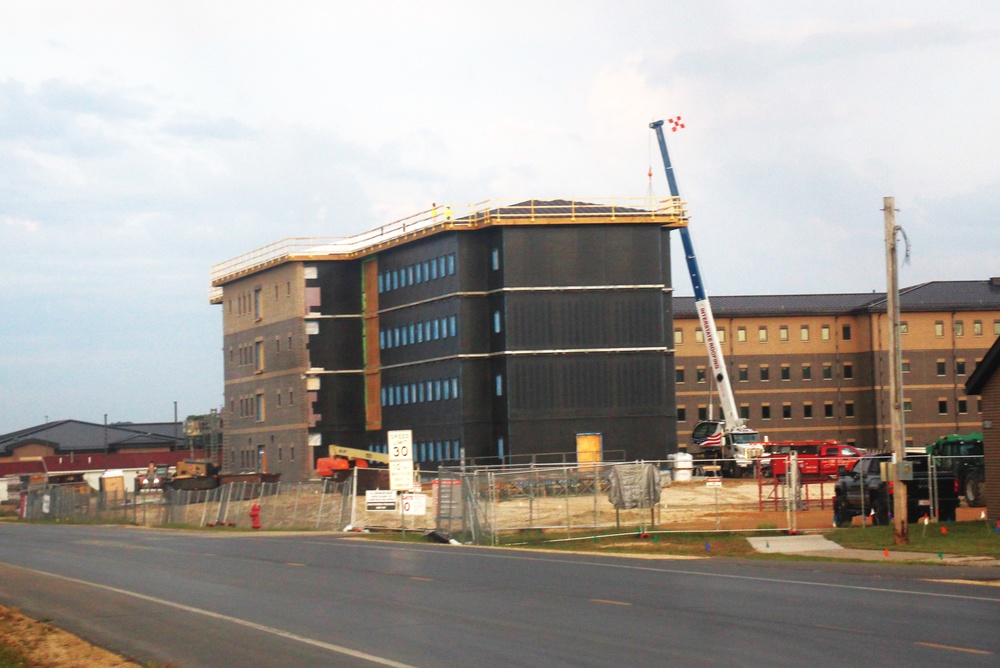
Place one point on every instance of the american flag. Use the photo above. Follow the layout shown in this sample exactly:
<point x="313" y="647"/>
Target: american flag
<point x="713" y="441"/>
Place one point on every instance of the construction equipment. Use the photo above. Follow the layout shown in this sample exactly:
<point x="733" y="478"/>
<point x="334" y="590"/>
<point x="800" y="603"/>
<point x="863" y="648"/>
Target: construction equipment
<point x="337" y="466"/>
<point x="193" y="474"/>
<point x="728" y="439"/>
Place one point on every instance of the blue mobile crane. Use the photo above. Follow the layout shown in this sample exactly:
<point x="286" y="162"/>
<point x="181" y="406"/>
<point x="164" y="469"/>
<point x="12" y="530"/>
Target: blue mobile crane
<point x="728" y="439"/>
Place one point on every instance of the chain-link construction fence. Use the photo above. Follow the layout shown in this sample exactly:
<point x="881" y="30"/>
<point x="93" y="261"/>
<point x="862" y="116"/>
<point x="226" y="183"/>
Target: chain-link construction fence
<point x="496" y="505"/>
<point x="501" y="505"/>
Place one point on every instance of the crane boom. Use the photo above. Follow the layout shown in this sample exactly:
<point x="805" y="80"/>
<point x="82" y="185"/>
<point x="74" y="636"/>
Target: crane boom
<point x="704" y="307"/>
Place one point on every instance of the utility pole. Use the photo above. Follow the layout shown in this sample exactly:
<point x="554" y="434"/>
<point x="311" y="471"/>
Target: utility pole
<point x="901" y="531"/>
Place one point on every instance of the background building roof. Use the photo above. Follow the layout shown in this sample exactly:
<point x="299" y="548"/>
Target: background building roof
<point x="79" y="436"/>
<point x="933" y="296"/>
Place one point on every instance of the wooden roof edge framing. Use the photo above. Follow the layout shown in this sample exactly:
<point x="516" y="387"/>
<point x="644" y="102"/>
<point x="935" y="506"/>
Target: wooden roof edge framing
<point x="667" y="212"/>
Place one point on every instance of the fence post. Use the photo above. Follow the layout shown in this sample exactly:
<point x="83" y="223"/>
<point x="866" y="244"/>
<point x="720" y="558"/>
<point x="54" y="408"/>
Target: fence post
<point x="354" y="497"/>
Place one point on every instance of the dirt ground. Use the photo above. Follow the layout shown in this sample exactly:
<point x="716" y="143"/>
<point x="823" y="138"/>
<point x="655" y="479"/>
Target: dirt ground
<point x="38" y="644"/>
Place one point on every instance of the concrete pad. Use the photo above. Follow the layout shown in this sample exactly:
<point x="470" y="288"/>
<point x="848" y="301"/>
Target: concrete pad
<point x="787" y="544"/>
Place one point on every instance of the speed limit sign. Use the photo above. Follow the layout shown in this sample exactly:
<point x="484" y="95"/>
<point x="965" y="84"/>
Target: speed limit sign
<point x="400" y="459"/>
<point x="400" y="445"/>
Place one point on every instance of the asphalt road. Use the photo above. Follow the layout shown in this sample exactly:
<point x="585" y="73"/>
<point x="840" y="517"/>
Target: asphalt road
<point x="203" y="599"/>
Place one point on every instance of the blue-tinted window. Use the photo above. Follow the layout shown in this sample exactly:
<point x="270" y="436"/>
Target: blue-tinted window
<point x="409" y="275"/>
<point x="395" y="279"/>
<point x="496" y="322"/>
<point x="427" y="330"/>
<point x="451" y="264"/>
<point x="499" y="380"/>
<point x="454" y="388"/>
<point x="437" y="330"/>
<point x="383" y="396"/>
<point x="381" y="282"/>
<point x="418" y="273"/>
<point x="420" y="333"/>
<point x="437" y="390"/>
<point x="423" y="451"/>
<point x="446" y="390"/>
<point x="395" y="336"/>
<point x="404" y="336"/>
<point x="399" y="395"/>
<point x="412" y="334"/>
<point x="453" y="325"/>
<point x="420" y="392"/>
<point x="434" y="269"/>
<point x="381" y="339"/>
<point x="441" y="266"/>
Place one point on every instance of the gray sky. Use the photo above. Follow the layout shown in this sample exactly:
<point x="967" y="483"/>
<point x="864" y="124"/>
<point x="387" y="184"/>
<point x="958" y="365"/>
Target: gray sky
<point x="141" y="143"/>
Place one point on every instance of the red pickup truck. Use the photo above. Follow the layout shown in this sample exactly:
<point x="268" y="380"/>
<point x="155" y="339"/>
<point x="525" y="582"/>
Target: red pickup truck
<point x="817" y="459"/>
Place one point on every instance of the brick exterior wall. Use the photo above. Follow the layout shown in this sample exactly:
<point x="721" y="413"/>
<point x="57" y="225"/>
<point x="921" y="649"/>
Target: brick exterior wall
<point x="991" y="445"/>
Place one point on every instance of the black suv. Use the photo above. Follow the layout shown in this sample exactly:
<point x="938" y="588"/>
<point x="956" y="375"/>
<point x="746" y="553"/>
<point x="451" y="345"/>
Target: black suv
<point x="861" y="490"/>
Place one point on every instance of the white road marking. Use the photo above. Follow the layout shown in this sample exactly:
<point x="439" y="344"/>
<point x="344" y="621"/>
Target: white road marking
<point x="234" y="620"/>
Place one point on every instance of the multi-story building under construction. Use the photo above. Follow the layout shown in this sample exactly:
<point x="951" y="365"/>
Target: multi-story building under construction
<point x="495" y="333"/>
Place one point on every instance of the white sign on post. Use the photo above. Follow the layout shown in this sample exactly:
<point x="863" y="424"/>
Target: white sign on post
<point x="414" y="504"/>
<point x="400" y="459"/>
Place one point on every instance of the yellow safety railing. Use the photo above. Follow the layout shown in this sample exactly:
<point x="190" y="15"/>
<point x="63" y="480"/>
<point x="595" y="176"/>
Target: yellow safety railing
<point x="670" y="210"/>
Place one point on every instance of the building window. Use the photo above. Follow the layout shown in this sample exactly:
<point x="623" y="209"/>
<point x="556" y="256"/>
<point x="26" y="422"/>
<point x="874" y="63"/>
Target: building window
<point x="807" y="411"/>
<point x="786" y="372"/>
<point x="762" y="334"/>
<point x="907" y="405"/>
<point x="699" y="336"/>
<point x="699" y="375"/>
<point x="846" y="332"/>
<point x="702" y="413"/>
<point x="765" y="411"/>
<point x="783" y="333"/>
<point x="959" y="367"/>
<point x="495" y="259"/>
<point x="499" y="388"/>
<point x="824" y="332"/>
<point x="906" y="366"/>
<point x="744" y="373"/>
<point x="496" y="322"/>
<point x="678" y="337"/>
<point x="807" y="372"/>
<point x="939" y="328"/>
<point x="256" y="303"/>
<point x="963" y="406"/>
<point x="848" y="370"/>
<point x="765" y="372"/>
<point x="745" y="411"/>
<point x="720" y="334"/>
<point x="959" y="328"/>
<point x="996" y="328"/>
<point x="828" y="409"/>
<point x="903" y="327"/>
<point x="278" y="393"/>
<point x="679" y="374"/>
<point x="827" y="371"/>
<point x="942" y="406"/>
<point x="741" y="334"/>
<point x="786" y="411"/>
<point x="941" y="368"/>
<point x="259" y="407"/>
<point x="849" y="409"/>
<point x="258" y="356"/>
<point x="804" y="332"/>
<point x="681" y="414"/>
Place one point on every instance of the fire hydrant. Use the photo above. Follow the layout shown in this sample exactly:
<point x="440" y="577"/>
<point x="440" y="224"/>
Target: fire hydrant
<point x="255" y="516"/>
